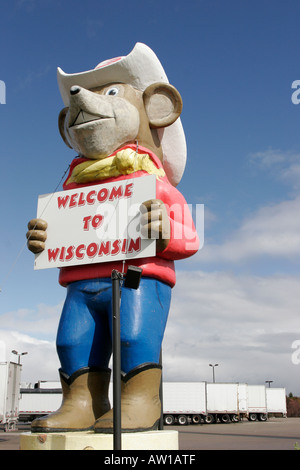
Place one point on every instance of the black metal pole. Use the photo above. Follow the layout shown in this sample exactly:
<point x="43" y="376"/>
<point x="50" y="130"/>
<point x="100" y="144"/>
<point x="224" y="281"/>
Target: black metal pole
<point x="161" y="396"/>
<point x="115" y="276"/>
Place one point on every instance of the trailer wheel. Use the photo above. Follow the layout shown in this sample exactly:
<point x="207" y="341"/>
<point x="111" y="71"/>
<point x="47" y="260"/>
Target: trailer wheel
<point x="182" y="420"/>
<point x="10" y="426"/>
<point x="196" y="419"/>
<point x="234" y="418"/>
<point x="209" y="419"/>
<point x="262" y="417"/>
<point x="225" y="418"/>
<point x="169" y="420"/>
<point x="252" y="417"/>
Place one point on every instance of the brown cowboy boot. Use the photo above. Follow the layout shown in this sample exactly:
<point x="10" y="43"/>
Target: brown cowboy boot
<point x="85" y="398"/>
<point x="140" y="402"/>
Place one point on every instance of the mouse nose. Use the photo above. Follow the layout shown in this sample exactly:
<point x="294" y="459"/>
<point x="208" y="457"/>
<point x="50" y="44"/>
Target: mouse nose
<point x="74" y="89"/>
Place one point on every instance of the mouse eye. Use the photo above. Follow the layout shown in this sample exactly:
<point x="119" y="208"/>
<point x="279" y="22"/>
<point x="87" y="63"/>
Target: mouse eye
<point x="112" y="91"/>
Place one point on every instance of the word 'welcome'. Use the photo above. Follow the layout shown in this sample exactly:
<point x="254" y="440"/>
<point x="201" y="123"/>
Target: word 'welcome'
<point x="102" y="195"/>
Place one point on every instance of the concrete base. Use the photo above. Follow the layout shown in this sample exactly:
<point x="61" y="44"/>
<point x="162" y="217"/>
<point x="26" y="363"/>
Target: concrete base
<point x="151" y="440"/>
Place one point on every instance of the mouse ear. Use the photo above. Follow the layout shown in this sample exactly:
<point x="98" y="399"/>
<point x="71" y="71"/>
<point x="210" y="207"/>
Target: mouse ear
<point x="163" y="104"/>
<point x="61" y="125"/>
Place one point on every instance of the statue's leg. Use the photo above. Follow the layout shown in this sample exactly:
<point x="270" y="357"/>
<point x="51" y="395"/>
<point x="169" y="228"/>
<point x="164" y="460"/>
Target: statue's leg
<point x="143" y="315"/>
<point x="83" y="337"/>
<point x="84" y="349"/>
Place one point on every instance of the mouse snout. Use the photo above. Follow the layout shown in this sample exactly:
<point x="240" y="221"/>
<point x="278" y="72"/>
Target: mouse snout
<point x="74" y="90"/>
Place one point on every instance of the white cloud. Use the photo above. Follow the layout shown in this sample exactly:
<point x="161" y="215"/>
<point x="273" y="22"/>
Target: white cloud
<point x="283" y="166"/>
<point x="41" y="321"/>
<point x="269" y="158"/>
<point x="40" y="362"/>
<point x="32" y="331"/>
<point x="291" y="174"/>
<point x="273" y="230"/>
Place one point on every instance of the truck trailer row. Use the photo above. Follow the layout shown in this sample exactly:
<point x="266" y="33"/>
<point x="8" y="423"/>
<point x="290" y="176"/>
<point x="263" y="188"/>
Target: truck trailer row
<point x="182" y="402"/>
<point x="185" y="403"/>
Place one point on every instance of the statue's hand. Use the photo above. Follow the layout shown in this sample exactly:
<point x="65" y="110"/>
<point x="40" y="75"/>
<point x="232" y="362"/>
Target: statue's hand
<point x="155" y="223"/>
<point x="36" y="235"/>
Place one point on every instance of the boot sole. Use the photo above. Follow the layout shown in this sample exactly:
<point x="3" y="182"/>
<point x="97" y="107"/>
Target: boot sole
<point x="51" y="430"/>
<point x="111" y="430"/>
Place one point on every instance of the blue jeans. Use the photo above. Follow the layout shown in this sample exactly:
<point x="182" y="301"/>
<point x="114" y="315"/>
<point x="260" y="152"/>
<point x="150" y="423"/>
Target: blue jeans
<point x="84" y="337"/>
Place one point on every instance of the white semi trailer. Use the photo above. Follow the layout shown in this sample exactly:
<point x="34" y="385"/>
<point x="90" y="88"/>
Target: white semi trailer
<point x="41" y="400"/>
<point x="223" y="402"/>
<point x="38" y="402"/>
<point x="10" y="374"/>
<point x="276" y="401"/>
<point x="184" y="402"/>
<point x="257" y="403"/>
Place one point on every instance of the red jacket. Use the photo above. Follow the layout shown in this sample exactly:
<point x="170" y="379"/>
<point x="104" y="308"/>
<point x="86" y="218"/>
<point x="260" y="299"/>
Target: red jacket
<point x="183" y="241"/>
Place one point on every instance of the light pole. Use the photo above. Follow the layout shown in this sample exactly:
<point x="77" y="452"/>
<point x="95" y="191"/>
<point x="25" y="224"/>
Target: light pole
<point x="19" y="355"/>
<point x="269" y="382"/>
<point x="213" y="368"/>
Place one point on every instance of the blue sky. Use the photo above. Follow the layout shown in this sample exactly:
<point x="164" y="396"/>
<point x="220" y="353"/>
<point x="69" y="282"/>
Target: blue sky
<point x="233" y="62"/>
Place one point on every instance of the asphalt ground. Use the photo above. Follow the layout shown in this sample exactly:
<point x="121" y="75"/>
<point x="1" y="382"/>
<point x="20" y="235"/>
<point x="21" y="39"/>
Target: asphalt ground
<point x="274" y="434"/>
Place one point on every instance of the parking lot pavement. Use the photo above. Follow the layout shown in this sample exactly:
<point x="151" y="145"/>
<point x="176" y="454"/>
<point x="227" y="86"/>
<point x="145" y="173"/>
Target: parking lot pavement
<point x="274" y="434"/>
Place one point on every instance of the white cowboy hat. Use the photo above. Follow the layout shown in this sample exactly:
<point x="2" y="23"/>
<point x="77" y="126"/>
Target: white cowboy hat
<point x="140" y="69"/>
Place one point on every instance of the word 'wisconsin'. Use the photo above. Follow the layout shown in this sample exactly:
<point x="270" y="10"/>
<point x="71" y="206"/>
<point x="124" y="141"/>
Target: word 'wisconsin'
<point x="102" y="195"/>
<point x="93" y="250"/>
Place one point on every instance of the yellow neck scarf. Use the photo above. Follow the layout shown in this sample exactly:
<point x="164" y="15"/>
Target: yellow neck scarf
<point x="125" y="162"/>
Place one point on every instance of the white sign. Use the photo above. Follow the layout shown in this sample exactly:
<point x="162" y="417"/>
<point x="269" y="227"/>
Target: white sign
<point x="95" y="224"/>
